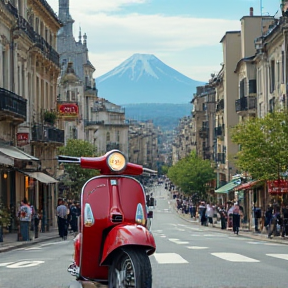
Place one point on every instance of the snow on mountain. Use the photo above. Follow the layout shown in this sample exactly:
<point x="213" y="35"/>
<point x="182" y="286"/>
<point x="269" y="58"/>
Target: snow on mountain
<point x="143" y="78"/>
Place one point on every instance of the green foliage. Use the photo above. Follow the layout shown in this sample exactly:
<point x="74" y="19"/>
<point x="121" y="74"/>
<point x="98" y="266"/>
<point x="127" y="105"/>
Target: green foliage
<point x="164" y="169"/>
<point x="50" y="117"/>
<point x="263" y="145"/>
<point x="77" y="176"/>
<point x="5" y="217"/>
<point x="191" y="174"/>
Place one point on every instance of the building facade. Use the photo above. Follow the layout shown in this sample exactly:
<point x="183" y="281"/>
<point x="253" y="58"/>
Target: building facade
<point x="29" y="66"/>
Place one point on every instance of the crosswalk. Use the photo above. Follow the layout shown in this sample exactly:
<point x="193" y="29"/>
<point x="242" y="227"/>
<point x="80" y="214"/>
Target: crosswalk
<point x="174" y="258"/>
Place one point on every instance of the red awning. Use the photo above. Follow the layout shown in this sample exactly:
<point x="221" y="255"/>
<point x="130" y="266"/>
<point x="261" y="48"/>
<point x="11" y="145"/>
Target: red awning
<point x="247" y="185"/>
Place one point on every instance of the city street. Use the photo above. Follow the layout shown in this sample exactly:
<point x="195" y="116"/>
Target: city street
<point x="188" y="255"/>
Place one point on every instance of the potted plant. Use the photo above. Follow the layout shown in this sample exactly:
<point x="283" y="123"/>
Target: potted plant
<point x="50" y="117"/>
<point x="5" y="219"/>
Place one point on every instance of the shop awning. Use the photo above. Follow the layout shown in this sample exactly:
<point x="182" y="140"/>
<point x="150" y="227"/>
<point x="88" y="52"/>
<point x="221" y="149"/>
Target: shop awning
<point x="9" y="153"/>
<point x="229" y="186"/>
<point x="247" y="185"/>
<point x="40" y="176"/>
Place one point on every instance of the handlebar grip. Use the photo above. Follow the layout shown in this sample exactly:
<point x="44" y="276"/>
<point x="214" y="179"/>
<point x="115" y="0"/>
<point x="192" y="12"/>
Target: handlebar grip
<point x="69" y="159"/>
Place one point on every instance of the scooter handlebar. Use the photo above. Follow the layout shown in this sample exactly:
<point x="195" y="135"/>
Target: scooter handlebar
<point x="69" y="159"/>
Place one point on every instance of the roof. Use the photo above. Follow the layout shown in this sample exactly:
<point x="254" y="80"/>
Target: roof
<point x="229" y="186"/>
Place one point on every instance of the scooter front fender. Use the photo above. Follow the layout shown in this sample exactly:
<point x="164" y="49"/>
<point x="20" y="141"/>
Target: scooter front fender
<point x="123" y="235"/>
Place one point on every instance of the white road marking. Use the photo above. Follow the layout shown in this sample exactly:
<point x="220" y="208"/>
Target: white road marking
<point x="181" y="229"/>
<point x="177" y="241"/>
<point x="25" y="264"/>
<point x="169" y="258"/>
<point x="261" y="242"/>
<point x="234" y="257"/>
<point x="34" y="248"/>
<point x="280" y="256"/>
<point x="163" y="236"/>
<point x="5" y="264"/>
<point x="196" y="247"/>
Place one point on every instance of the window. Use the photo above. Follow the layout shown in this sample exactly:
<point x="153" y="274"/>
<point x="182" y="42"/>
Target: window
<point x="242" y="88"/>
<point x="108" y="137"/>
<point x="283" y="68"/>
<point x="272" y="76"/>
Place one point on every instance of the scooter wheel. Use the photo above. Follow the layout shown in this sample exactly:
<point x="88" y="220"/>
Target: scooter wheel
<point x="130" y="268"/>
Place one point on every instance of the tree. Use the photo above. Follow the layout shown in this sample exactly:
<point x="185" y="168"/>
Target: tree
<point x="75" y="175"/>
<point x="192" y="174"/>
<point x="263" y="144"/>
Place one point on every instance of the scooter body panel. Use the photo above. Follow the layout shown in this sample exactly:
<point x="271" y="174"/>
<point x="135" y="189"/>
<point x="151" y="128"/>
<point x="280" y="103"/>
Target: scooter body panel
<point x="113" y="200"/>
<point x="122" y="235"/>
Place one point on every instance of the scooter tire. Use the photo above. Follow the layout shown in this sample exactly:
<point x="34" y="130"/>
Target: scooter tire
<point x="141" y="268"/>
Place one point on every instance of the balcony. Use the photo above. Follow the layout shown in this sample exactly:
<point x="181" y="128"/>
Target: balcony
<point x="219" y="131"/>
<point x="220" y="105"/>
<point x="246" y="105"/>
<point x="203" y="132"/>
<point x="47" y="134"/>
<point x="93" y="123"/>
<point x="221" y="158"/>
<point x="12" y="106"/>
<point x="38" y="41"/>
<point x="11" y="8"/>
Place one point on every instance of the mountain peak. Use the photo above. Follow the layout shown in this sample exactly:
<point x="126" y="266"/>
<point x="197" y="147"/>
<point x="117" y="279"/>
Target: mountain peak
<point x="140" y="73"/>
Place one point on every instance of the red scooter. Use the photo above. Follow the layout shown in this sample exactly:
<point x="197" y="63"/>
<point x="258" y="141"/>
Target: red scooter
<point x="114" y="243"/>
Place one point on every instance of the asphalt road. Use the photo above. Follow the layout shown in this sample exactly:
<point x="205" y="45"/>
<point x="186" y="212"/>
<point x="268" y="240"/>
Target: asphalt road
<point x="188" y="255"/>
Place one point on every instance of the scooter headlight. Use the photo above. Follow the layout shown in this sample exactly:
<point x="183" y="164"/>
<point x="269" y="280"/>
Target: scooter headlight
<point x="116" y="161"/>
<point x="88" y="216"/>
<point x="140" y="217"/>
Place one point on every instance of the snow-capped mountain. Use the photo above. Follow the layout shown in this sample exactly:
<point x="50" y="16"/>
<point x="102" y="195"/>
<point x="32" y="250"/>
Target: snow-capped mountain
<point x="143" y="78"/>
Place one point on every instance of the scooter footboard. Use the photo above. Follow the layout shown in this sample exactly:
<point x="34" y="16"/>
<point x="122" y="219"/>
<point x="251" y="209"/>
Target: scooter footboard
<point x="122" y="235"/>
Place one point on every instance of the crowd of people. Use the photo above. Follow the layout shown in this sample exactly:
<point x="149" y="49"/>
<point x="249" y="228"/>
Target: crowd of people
<point x="275" y="218"/>
<point x="67" y="217"/>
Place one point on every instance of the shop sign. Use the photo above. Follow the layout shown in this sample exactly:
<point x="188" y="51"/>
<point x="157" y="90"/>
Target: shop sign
<point x="22" y="139"/>
<point x="278" y="186"/>
<point x="68" y="110"/>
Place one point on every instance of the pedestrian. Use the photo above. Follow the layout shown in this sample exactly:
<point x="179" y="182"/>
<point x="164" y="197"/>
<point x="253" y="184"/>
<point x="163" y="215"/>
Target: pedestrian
<point x="236" y="218"/>
<point x="74" y="217"/>
<point x="257" y="216"/>
<point x="268" y="217"/>
<point x="275" y="222"/>
<point x="209" y="213"/>
<point x="24" y="215"/>
<point x="285" y="221"/>
<point x="62" y="212"/>
<point x="202" y="213"/>
<point x="223" y="216"/>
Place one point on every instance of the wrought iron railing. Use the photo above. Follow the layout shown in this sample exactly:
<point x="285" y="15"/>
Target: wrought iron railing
<point x="245" y="103"/>
<point x="13" y="103"/>
<point x="38" y="40"/>
<point x="43" y="133"/>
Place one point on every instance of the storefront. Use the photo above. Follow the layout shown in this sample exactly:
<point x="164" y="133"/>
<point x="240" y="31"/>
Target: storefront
<point x="20" y="179"/>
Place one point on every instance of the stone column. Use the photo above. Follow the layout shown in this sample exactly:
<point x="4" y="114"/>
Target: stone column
<point x="1" y="66"/>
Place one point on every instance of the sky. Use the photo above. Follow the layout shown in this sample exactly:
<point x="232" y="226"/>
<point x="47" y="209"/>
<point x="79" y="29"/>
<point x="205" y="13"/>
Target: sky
<point x="184" y="34"/>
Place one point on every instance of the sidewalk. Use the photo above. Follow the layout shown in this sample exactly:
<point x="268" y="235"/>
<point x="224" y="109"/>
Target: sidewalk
<point x="242" y="232"/>
<point x="10" y="240"/>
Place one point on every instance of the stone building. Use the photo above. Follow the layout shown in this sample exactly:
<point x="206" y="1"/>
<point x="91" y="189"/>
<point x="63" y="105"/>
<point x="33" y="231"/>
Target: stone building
<point x="87" y="117"/>
<point x="185" y="139"/>
<point x="29" y="66"/>
<point x="143" y="144"/>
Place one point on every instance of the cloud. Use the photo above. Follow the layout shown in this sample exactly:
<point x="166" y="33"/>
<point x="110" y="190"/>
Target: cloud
<point x="96" y="6"/>
<point x="113" y="37"/>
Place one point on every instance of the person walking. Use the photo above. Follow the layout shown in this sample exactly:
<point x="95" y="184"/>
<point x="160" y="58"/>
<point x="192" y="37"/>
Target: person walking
<point x="285" y="221"/>
<point x="25" y="220"/>
<point x="74" y="217"/>
<point x="223" y="217"/>
<point x="62" y="212"/>
<point x="210" y="214"/>
<point x="268" y="217"/>
<point x="275" y="222"/>
<point x="236" y="218"/>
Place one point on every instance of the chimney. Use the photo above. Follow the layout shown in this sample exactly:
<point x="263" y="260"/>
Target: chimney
<point x="251" y="11"/>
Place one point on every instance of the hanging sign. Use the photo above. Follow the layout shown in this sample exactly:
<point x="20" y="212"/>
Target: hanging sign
<point x="278" y="186"/>
<point x="22" y="139"/>
<point x="68" y="109"/>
